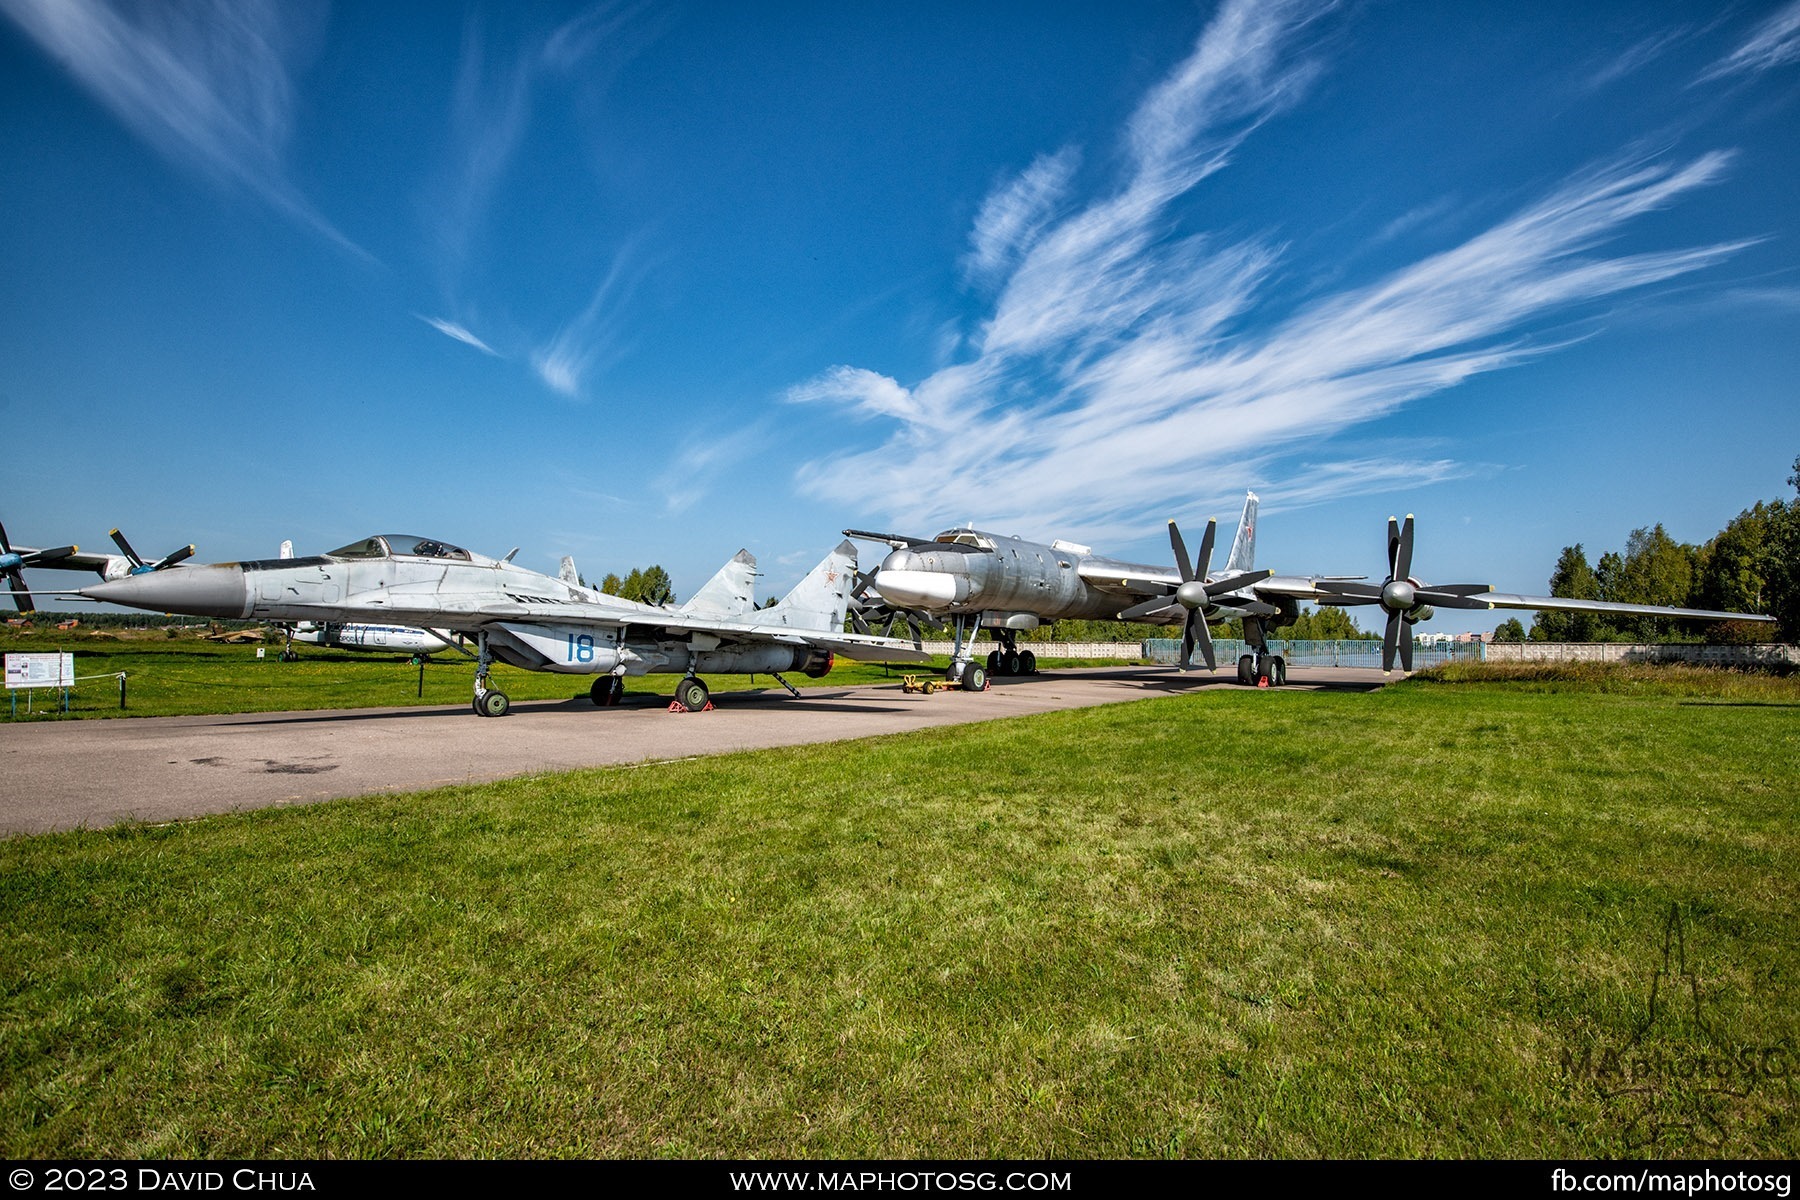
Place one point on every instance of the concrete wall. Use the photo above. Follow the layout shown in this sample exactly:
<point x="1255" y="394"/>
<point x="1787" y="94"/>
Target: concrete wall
<point x="1718" y="656"/>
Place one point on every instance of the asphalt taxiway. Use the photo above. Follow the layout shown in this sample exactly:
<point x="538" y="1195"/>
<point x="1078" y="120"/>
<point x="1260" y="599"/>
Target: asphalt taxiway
<point x="95" y="773"/>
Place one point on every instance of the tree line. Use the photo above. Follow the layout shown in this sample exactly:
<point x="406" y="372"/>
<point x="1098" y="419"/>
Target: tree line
<point x="1752" y="565"/>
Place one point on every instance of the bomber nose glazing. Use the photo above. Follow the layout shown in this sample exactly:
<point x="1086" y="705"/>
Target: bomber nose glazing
<point x="906" y="579"/>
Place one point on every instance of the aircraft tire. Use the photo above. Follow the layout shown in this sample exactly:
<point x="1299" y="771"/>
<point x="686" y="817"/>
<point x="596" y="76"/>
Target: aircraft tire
<point x="993" y="661"/>
<point x="975" y="679"/>
<point x="1027" y="663"/>
<point x="1246" y="670"/>
<point x="607" y="691"/>
<point x="692" y="694"/>
<point x="493" y="704"/>
<point x="1277" y="671"/>
<point x="1009" y="663"/>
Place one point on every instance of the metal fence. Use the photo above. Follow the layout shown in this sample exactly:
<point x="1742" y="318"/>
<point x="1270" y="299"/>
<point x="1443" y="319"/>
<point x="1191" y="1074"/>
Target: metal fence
<point x="1359" y="653"/>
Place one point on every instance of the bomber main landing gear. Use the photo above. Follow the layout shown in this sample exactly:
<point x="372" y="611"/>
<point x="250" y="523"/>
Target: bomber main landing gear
<point x="1262" y="670"/>
<point x="489" y="702"/>
<point x="1009" y="659"/>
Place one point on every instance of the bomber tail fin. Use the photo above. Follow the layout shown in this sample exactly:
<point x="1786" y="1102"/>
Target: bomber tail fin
<point x="819" y="601"/>
<point x="731" y="592"/>
<point x="1243" y="547"/>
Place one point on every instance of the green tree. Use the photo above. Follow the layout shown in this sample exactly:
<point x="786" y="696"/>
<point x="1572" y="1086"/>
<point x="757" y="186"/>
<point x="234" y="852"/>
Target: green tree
<point x="648" y="585"/>
<point x="1783" y="580"/>
<point x="612" y="584"/>
<point x="1329" y="624"/>
<point x="1656" y="570"/>
<point x="1574" y="579"/>
<point x="1732" y="570"/>
<point x="1509" y="630"/>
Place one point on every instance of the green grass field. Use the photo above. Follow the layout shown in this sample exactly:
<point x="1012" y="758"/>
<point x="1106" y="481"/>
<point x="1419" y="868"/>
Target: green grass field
<point x="1436" y="920"/>
<point x="188" y="676"/>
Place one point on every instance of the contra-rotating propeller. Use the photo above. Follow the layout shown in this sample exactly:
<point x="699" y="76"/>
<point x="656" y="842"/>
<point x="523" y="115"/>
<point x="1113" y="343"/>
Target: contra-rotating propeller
<point x="139" y="566"/>
<point x="1406" y="600"/>
<point x="13" y="562"/>
<point x="1195" y="594"/>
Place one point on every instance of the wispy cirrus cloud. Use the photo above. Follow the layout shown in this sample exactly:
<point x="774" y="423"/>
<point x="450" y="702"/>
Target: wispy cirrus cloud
<point x="1773" y="43"/>
<point x="207" y="83"/>
<point x="1123" y="365"/>
<point x="492" y="106"/>
<point x="451" y="329"/>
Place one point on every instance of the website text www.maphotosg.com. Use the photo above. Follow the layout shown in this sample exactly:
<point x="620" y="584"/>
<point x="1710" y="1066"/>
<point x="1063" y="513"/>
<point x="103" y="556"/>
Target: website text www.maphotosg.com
<point x="902" y="1181"/>
<point x="1658" y="1181"/>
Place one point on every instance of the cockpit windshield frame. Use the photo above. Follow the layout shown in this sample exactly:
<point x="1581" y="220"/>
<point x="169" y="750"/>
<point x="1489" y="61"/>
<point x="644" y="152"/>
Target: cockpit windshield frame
<point x="401" y="545"/>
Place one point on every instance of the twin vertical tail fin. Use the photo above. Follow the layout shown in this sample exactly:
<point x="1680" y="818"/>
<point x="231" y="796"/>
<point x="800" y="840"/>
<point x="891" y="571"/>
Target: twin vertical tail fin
<point x="819" y="601"/>
<point x="731" y="592"/>
<point x="1243" y="547"/>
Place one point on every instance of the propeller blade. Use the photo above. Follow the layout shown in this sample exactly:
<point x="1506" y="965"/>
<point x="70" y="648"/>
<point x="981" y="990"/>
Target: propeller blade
<point x="1403" y="564"/>
<point x="1406" y="648"/>
<point x="1221" y="586"/>
<point x="1187" y="644"/>
<point x="1448" y="599"/>
<point x="1204" y="562"/>
<point x="1182" y="566"/>
<point x="1197" y="632"/>
<point x="20" y="594"/>
<point x="125" y="548"/>
<point x="181" y="555"/>
<point x="5" y="542"/>
<point x="1153" y="604"/>
<point x="1390" y="642"/>
<point x="46" y="557"/>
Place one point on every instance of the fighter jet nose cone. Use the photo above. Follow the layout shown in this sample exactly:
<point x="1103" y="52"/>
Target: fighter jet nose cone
<point x="920" y="589"/>
<point x="216" y="591"/>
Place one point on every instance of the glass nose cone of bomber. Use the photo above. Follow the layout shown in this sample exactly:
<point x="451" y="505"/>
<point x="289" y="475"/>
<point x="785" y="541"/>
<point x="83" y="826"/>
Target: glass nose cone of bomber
<point x="215" y="591"/>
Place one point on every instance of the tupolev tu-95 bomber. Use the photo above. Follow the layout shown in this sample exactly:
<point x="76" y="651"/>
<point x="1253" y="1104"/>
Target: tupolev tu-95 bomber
<point x="534" y="621"/>
<point x="1008" y="584"/>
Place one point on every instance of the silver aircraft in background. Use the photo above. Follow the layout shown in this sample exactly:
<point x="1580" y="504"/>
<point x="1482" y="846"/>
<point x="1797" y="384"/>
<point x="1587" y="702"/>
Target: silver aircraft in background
<point x="13" y="560"/>
<point x="975" y="579"/>
<point x="537" y="622"/>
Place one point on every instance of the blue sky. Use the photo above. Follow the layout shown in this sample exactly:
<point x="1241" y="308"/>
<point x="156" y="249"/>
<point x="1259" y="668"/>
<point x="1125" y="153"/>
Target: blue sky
<point x="650" y="282"/>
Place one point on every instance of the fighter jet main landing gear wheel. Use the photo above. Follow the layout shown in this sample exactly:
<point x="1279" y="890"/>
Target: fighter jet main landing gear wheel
<point x="1277" y="671"/>
<point x="975" y="678"/>
<point x="607" y="691"/>
<point x="691" y="694"/>
<point x="289" y="655"/>
<point x="1247" y="670"/>
<point x="1027" y="663"/>
<point x="492" y="704"/>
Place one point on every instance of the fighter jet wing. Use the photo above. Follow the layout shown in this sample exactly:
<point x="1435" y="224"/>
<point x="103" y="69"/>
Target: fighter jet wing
<point x="469" y="612"/>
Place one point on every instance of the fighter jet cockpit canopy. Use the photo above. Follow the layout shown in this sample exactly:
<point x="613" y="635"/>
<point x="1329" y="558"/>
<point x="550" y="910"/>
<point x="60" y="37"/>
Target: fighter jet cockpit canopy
<point x="386" y="545"/>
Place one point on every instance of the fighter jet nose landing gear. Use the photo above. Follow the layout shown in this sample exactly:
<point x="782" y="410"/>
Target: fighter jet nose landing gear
<point x="489" y="702"/>
<point x="608" y="690"/>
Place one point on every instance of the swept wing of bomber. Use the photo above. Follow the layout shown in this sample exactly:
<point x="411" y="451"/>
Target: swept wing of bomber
<point x="1007" y="584"/>
<point x="534" y="621"/>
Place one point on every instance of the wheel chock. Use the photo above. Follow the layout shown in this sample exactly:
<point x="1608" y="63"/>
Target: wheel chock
<point x="676" y="706"/>
<point x="1262" y="681"/>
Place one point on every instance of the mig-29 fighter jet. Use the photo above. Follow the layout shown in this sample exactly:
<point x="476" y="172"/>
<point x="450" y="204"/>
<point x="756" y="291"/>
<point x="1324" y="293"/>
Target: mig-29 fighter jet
<point x="537" y="622"/>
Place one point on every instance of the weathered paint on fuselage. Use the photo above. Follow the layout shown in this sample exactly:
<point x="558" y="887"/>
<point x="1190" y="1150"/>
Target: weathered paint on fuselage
<point x="1024" y="577"/>
<point x="453" y="595"/>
